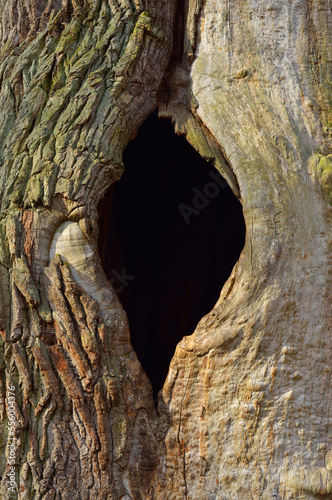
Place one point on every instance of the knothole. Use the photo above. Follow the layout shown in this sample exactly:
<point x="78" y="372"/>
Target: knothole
<point x="171" y="231"/>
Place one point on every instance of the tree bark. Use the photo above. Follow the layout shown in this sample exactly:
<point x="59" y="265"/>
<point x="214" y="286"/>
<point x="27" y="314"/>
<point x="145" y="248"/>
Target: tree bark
<point x="73" y="93"/>
<point x="245" y="411"/>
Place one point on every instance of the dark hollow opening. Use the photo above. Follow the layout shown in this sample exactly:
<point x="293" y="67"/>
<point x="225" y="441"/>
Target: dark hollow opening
<point x="171" y="231"/>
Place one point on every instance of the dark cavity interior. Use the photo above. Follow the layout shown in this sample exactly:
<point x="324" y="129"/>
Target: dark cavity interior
<point x="171" y="231"/>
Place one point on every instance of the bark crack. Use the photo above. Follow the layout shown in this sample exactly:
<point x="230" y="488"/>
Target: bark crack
<point x="181" y="442"/>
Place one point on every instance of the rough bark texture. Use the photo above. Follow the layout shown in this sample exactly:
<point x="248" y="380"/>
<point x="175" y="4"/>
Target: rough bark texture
<point x="246" y="409"/>
<point x="72" y="96"/>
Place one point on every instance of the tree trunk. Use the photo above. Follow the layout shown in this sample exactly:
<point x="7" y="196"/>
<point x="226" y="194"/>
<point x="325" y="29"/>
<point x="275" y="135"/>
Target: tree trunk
<point x="246" y="407"/>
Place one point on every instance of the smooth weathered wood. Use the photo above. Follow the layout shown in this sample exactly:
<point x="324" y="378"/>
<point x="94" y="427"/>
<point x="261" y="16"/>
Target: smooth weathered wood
<point x="248" y="394"/>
